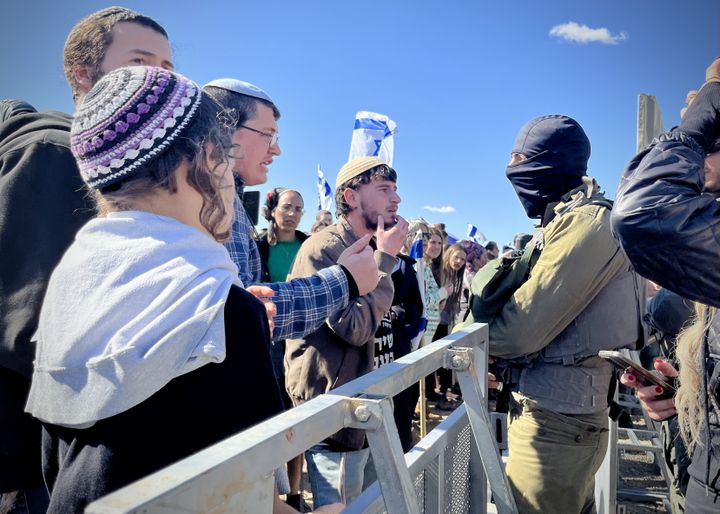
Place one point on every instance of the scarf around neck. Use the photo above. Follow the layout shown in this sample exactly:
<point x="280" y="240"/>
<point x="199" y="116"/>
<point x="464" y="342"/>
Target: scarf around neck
<point x="137" y="300"/>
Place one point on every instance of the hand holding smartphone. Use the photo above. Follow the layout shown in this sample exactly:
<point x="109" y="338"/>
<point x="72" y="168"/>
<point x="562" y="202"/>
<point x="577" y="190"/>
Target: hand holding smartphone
<point x="645" y="376"/>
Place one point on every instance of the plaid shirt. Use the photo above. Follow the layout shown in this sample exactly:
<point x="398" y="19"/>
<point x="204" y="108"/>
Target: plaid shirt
<point x="302" y="304"/>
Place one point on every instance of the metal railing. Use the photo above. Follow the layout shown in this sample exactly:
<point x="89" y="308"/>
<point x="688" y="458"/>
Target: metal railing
<point x="445" y="472"/>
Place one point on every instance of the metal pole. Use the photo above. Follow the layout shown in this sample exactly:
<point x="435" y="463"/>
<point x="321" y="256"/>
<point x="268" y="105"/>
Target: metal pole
<point x="374" y="414"/>
<point x="423" y="410"/>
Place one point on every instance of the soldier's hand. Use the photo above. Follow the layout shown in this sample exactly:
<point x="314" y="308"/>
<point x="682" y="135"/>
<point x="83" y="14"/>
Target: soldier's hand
<point x="358" y="259"/>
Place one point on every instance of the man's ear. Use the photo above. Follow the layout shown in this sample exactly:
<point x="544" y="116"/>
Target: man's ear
<point x="84" y="77"/>
<point x="351" y="197"/>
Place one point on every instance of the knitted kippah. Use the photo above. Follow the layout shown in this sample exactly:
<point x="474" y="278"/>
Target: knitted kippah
<point x="355" y="167"/>
<point x="130" y="116"/>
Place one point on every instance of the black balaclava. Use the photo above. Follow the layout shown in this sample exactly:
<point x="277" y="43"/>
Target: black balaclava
<point x="557" y="152"/>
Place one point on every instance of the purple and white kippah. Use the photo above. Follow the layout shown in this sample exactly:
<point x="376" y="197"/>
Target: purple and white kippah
<point x="131" y="115"/>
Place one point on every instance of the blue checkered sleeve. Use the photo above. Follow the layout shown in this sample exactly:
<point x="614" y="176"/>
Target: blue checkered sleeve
<point x="303" y="304"/>
<point x="242" y="247"/>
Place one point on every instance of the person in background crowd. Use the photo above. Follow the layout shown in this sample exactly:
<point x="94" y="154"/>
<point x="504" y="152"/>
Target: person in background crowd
<point x="666" y="217"/>
<point x="492" y="250"/>
<point x="441" y="228"/>
<point x="300" y="305"/>
<point x="359" y="337"/>
<point x="451" y="277"/>
<point x="477" y="257"/>
<point x="278" y="246"/>
<point x="322" y="219"/>
<point x="580" y="297"/>
<point x="279" y="243"/>
<point x="521" y="240"/>
<point x="148" y="356"/>
<point x="51" y="207"/>
<point x="407" y="318"/>
<point x="666" y="314"/>
<point x="435" y="297"/>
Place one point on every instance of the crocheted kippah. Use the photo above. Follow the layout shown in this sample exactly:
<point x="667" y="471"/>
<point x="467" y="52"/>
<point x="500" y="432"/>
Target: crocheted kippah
<point x="130" y="116"/>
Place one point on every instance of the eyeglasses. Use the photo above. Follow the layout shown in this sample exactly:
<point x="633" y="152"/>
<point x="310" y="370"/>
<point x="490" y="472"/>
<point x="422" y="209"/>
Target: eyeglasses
<point x="271" y="137"/>
<point x="287" y="208"/>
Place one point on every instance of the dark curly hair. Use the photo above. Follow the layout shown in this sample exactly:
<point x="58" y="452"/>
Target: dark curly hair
<point x="272" y="200"/>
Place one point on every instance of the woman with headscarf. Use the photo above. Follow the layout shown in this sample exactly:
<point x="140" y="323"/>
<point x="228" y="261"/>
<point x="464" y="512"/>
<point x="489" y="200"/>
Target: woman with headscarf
<point x="278" y="246"/>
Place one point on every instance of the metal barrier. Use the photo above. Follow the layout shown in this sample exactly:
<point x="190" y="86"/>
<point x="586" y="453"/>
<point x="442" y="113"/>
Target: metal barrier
<point x="445" y="472"/>
<point x="607" y="492"/>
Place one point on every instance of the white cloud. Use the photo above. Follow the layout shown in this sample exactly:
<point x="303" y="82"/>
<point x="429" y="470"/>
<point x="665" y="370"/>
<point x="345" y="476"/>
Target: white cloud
<point x="583" y="34"/>
<point x="444" y="209"/>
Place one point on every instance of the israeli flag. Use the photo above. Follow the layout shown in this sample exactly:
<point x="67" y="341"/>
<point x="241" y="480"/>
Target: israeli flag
<point x="474" y="234"/>
<point x="373" y="136"/>
<point x="416" y="252"/>
<point x="416" y="249"/>
<point x="324" y="191"/>
<point x="471" y="230"/>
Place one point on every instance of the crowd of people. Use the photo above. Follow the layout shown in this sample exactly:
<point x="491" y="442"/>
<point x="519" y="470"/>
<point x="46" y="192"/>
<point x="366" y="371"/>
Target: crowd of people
<point x="143" y="317"/>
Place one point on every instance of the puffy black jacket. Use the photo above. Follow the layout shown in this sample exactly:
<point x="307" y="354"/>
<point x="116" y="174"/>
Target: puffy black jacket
<point x="668" y="225"/>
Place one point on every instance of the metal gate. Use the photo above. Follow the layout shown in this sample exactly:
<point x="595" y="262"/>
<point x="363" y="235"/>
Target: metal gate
<point x="445" y="472"/>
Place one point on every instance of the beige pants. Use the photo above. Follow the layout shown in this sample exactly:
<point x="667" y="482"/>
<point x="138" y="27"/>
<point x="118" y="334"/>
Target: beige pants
<point x="553" y="459"/>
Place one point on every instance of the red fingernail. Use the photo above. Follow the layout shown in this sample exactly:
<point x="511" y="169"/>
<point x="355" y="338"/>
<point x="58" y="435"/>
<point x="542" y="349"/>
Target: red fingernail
<point x="631" y="378"/>
<point x="659" y="390"/>
<point x="658" y="359"/>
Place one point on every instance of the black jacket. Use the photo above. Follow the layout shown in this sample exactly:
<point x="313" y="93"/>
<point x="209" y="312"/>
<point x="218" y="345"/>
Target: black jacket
<point x="669" y="226"/>
<point x="407" y="306"/>
<point x="264" y="249"/>
<point x="42" y="206"/>
<point x="191" y="412"/>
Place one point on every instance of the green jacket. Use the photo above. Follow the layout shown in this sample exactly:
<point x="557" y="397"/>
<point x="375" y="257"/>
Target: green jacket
<point x="578" y="259"/>
<point x="581" y="297"/>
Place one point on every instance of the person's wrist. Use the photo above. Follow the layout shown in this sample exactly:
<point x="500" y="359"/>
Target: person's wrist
<point x="353" y="291"/>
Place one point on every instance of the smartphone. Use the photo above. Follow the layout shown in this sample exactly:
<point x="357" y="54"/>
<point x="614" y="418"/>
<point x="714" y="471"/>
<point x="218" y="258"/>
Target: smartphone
<point x="646" y="376"/>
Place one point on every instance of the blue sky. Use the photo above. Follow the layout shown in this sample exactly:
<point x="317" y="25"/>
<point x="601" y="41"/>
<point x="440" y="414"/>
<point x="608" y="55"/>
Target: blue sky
<point x="459" y="78"/>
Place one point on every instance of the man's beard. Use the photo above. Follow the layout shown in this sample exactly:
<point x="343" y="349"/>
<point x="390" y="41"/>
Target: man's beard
<point x="370" y="219"/>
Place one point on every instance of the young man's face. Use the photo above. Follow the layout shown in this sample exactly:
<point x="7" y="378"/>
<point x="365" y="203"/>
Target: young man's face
<point x="136" y="45"/>
<point x="378" y="198"/>
<point x="256" y="150"/>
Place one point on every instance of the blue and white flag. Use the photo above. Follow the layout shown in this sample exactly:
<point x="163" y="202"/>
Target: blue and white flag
<point x="324" y="192"/>
<point x="474" y="234"/>
<point x="416" y="249"/>
<point x="373" y="136"/>
<point x="416" y="252"/>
